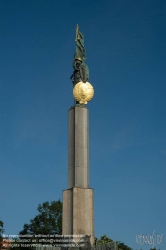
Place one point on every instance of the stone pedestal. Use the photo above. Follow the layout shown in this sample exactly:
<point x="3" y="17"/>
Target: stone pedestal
<point x="78" y="199"/>
<point x="78" y="212"/>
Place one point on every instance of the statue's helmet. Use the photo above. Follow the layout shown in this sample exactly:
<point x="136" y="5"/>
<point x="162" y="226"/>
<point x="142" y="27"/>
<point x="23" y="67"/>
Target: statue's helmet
<point x="78" y="58"/>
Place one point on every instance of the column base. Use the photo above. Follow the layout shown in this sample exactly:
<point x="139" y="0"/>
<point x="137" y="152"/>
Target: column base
<point x="78" y="212"/>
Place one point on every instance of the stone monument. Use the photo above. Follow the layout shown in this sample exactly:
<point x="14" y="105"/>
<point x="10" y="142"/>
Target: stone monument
<point x="78" y="199"/>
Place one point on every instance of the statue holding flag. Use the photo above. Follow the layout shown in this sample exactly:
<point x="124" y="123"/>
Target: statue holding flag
<point x="83" y="90"/>
<point x="81" y="71"/>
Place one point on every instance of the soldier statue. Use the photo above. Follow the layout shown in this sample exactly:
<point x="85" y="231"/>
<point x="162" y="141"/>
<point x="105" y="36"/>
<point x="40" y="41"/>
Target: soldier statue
<point x="81" y="72"/>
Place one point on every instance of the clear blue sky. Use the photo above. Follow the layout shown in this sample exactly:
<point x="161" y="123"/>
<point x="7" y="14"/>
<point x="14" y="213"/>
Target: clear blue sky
<point x="126" y="54"/>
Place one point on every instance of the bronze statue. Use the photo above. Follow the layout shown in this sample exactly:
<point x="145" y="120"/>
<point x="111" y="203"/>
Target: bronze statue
<point x="81" y="71"/>
<point x="82" y="90"/>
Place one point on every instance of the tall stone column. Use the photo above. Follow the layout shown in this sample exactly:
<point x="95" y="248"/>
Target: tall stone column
<point x="78" y="199"/>
<point x="78" y="154"/>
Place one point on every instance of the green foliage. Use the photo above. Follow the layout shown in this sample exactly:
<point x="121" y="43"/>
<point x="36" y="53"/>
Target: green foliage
<point x="103" y="240"/>
<point x="122" y="246"/>
<point x="48" y="221"/>
<point x="1" y="232"/>
<point x="1" y="227"/>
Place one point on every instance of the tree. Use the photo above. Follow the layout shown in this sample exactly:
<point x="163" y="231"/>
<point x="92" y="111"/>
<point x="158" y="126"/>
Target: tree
<point x="122" y="246"/>
<point x="1" y="232"/>
<point x="48" y="221"/>
<point x="1" y="228"/>
<point x="103" y="240"/>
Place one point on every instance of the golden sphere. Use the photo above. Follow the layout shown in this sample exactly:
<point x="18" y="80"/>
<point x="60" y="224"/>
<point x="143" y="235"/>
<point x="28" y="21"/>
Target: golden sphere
<point x="83" y="92"/>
